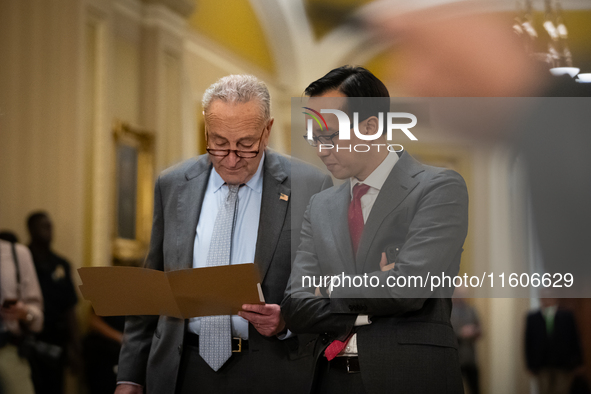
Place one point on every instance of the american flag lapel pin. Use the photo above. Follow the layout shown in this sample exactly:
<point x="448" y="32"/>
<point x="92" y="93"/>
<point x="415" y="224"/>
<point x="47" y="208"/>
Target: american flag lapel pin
<point x="283" y="197"/>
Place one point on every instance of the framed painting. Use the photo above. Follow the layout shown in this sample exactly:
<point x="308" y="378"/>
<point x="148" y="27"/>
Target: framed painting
<point x="134" y="185"/>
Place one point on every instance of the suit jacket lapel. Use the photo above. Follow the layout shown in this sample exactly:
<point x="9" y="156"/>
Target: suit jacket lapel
<point x="398" y="185"/>
<point x="339" y="220"/>
<point x="190" y="199"/>
<point x="273" y="211"/>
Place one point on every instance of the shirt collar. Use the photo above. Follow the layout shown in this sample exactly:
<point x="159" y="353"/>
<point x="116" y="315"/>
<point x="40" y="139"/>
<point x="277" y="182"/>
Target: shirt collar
<point x="255" y="183"/>
<point x="377" y="178"/>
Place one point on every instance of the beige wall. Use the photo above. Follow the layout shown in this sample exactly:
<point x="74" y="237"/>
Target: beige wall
<point x="42" y="146"/>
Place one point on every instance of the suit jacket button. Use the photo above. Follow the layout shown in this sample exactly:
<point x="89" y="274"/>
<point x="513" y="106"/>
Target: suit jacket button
<point x="181" y="348"/>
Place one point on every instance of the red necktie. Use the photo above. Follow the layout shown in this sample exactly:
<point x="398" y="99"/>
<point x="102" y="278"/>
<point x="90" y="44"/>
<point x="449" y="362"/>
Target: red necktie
<point x="335" y="348"/>
<point x="355" y="229"/>
<point x="356" y="215"/>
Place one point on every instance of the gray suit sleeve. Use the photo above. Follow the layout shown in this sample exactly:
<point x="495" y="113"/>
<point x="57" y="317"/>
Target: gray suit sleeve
<point x="302" y="310"/>
<point x="433" y="246"/>
<point x="326" y="183"/>
<point x="139" y="330"/>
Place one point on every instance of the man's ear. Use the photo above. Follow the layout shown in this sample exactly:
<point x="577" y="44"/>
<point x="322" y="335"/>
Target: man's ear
<point x="270" y="125"/>
<point x="267" y="131"/>
<point x="372" y="124"/>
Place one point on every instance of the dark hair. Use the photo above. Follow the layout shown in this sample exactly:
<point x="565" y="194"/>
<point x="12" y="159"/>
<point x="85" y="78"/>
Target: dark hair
<point x="354" y="82"/>
<point x="349" y="80"/>
<point x="9" y="236"/>
<point x="34" y="217"/>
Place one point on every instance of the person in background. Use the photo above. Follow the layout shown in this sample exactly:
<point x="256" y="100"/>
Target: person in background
<point x="552" y="346"/>
<point x="466" y="324"/>
<point x="101" y="348"/>
<point x="21" y="313"/>
<point x="60" y="298"/>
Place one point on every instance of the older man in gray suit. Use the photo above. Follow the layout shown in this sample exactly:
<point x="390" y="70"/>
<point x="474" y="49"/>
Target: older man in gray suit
<point x="231" y="206"/>
<point x="394" y="218"/>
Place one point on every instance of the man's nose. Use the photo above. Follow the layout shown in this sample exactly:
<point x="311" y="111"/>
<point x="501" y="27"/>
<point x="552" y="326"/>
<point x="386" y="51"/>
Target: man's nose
<point x="232" y="159"/>
<point x="323" y="150"/>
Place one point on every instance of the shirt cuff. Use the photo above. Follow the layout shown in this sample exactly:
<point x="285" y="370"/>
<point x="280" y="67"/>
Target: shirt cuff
<point x="286" y="335"/>
<point x="132" y="383"/>
<point x="362" y="320"/>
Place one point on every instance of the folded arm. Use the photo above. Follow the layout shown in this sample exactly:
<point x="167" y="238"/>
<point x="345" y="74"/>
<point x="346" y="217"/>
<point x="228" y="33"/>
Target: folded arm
<point x="433" y="245"/>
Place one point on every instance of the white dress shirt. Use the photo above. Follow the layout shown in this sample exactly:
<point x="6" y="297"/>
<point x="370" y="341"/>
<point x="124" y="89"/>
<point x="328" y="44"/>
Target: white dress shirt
<point x="27" y="291"/>
<point x="375" y="181"/>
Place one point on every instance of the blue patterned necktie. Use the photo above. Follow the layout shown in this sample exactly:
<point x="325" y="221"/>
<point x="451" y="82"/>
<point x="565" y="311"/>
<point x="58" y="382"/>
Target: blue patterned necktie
<point x="215" y="338"/>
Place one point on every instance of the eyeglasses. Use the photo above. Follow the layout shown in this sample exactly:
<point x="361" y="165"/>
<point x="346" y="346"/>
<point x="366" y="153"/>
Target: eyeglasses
<point x="323" y="139"/>
<point x="244" y="154"/>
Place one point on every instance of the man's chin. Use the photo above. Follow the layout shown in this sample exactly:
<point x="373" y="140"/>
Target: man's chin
<point x="233" y="179"/>
<point x="338" y="173"/>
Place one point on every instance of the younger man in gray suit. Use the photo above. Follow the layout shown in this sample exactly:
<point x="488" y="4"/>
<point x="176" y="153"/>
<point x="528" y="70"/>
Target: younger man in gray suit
<point x="393" y="218"/>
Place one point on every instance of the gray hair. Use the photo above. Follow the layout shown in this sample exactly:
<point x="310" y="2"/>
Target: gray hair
<point x="239" y="89"/>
